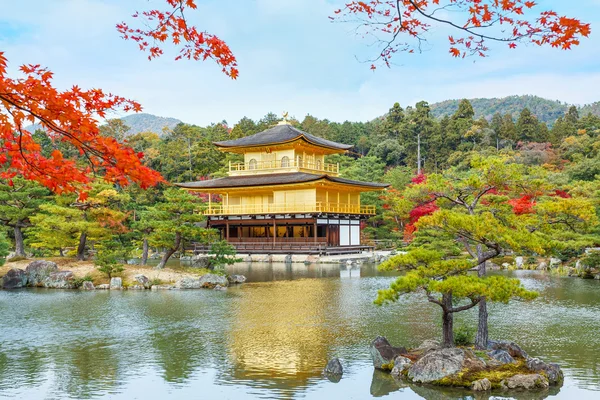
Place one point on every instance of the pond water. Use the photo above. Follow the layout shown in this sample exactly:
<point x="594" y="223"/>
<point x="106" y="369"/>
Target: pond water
<point x="269" y="338"/>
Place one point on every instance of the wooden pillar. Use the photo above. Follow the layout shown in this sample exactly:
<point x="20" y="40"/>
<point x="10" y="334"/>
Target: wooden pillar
<point x="227" y="230"/>
<point x="274" y="231"/>
<point x="209" y="203"/>
<point x="315" y="230"/>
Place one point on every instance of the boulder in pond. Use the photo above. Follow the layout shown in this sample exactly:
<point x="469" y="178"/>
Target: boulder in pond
<point x="59" y="280"/>
<point x="39" y="270"/>
<point x="481" y="385"/>
<point x="551" y="371"/>
<point x="15" y="278"/>
<point x="116" y="283"/>
<point x="428" y="345"/>
<point x="401" y="364"/>
<point x="162" y="287"/>
<point x="142" y="280"/>
<point x="502" y="356"/>
<point x="236" y="279"/>
<point x="104" y="286"/>
<point x="211" y="280"/>
<point x="436" y="365"/>
<point x="87" y="285"/>
<point x="384" y="354"/>
<point x="219" y="287"/>
<point x="334" y="367"/>
<point x="510" y="347"/>
<point x="525" y="381"/>
<point x="188" y="283"/>
<point x="136" y="287"/>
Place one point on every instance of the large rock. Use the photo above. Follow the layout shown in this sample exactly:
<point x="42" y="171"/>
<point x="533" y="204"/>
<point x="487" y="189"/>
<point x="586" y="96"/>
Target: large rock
<point x="436" y="365"/>
<point x="510" y="347"/>
<point x="401" y="364"/>
<point x="143" y="280"/>
<point x="87" y="285"/>
<point x="59" y="280"/>
<point x="162" y="287"/>
<point x="334" y="367"/>
<point x="527" y="382"/>
<point x="543" y="266"/>
<point x="39" y="270"/>
<point x="116" y="283"/>
<point x="502" y="356"/>
<point x="219" y="287"/>
<point x="551" y="371"/>
<point x="103" y="286"/>
<point x="212" y="280"/>
<point x="555" y="262"/>
<point x="472" y="362"/>
<point x="383" y="353"/>
<point x="429" y="345"/>
<point x="481" y="385"/>
<point x="188" y="283"/>
<point x="236" y="279"/>
<point x="519" y="261"/>
<point x="14" y="279"/>
<point x="136" y="287"/>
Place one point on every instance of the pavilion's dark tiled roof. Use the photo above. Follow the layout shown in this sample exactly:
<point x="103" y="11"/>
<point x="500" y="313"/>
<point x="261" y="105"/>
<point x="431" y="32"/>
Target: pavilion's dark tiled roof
<point x="280" y="134"/>
<point x="272" y="179"/>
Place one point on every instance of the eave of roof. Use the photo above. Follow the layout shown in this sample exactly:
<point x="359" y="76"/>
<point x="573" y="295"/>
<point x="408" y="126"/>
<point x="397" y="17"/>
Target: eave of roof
<point x="273" y="180"/>
<point x="283" y="133"/>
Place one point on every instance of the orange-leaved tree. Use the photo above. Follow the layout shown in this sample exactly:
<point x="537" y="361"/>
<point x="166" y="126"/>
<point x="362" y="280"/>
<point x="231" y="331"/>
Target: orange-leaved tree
<point x="70" y="118"/>
<point x="403" y="25"/>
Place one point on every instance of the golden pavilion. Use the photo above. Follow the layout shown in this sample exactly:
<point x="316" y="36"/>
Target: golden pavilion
<point x="284" y="197"/>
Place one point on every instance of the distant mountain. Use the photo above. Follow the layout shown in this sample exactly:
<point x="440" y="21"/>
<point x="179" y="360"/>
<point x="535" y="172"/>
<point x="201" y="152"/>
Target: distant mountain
<point x="143" y="122"/>
<point x="545" y="110"/>
<point x="137" y="123"/>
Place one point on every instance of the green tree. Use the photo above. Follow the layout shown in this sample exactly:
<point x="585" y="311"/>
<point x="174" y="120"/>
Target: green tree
<point x="223" y="253"/>
<point x="446" y="282"/>
<point x="174" y="221"/>
<point x="115" y="128"/>
<point x="19" y="199"/>
<point x="528" y="127"/>
<point x="4" y="246"/>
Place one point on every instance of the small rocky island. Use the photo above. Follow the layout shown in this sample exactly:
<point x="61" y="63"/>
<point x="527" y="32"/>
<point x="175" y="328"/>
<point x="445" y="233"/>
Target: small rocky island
<point x="504" y="365"/>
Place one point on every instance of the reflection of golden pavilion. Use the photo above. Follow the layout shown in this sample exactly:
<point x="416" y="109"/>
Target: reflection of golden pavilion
<point x="284" y="197"/>
<point x="280" y="334"/>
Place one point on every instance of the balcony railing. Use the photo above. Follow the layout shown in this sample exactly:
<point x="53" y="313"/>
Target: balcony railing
<point x="284" y="208"/>
<point x="250" y="167"/>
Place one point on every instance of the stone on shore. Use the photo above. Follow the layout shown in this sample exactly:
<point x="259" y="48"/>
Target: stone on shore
<point x="143" y="280"/>
<point x="502" y="356"/>
<point x="219" y="287"/>
<point x="103" y="286"/>
<point x="136" y="287"/>
<point x="162" y="287"/>
<point x="428" y="345"/>
<point x="436" y="365"/>
<point x="59" y="280"/>
<point x="519" y="261"/>
<point x="116" y="283"/>
<point x="551" y="371"/>
<point x="334" y="367"/>
<point x="510" y="347"/>
<point x="39" y="270"/>
<point x="236" y="279"/>
<point x="188" y="283"/>
<point x="527" y="382"/>
<point x="481" y="385"/>
<point x="211" y="280"/>
<point x="401" y="364"/>
<point x="383" y="353"/>
<point x="543" y="266"/>
<point x="14" y="279"/>
<point x="87" y="285"/>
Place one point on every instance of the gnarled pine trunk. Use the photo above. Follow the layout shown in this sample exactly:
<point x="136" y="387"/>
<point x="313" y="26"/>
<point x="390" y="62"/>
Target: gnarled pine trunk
<point x="447" y="320"/>
<point x="81" y="246"/>
<point x="481" y="339"/>
<point x="19" y="245"/>
<point x="170" y="252"/>
<point x="145" y="252"/>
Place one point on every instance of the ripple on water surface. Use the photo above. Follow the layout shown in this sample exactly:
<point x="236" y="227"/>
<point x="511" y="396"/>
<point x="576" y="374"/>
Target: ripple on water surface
<point x="266" y="339"/>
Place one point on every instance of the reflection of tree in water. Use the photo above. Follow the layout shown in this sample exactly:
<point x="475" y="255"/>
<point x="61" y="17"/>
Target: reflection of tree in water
<point x="24" y="368"/>
<point x="84" y="369"/>
<point x="280" y="336"/>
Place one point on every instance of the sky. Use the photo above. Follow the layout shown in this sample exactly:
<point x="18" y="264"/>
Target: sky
<point x="291" y="58"/>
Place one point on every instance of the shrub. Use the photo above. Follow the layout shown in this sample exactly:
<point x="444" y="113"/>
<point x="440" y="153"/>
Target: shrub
<point x="464" y="335"/>
<point x="156" y="281"/>
<point x="78" y="282"/>
<point x="108" y="264"/>
<point x="591" y="259"/>
<point x="222" y="254"/>
<point x="4" y="246"/>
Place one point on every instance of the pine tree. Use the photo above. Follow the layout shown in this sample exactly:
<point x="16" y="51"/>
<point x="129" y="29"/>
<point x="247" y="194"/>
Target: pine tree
<point x="19" y="199"/>
<point x="528" y="127"/>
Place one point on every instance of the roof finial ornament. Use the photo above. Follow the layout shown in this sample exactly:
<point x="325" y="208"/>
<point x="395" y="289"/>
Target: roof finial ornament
<point x="285" y="120"/>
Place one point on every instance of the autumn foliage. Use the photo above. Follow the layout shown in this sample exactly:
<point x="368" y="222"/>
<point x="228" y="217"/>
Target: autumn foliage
<point x="172" y="24"/>
<point x="402" y="25"/>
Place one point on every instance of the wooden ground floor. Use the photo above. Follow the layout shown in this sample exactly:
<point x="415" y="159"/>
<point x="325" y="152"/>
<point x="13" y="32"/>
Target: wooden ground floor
<point x="308" y="234"/>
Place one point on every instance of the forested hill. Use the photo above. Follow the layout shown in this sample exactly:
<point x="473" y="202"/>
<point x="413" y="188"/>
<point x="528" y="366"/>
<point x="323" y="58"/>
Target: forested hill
<point x="545" y="110"/>
<point x="148" y="123"/>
